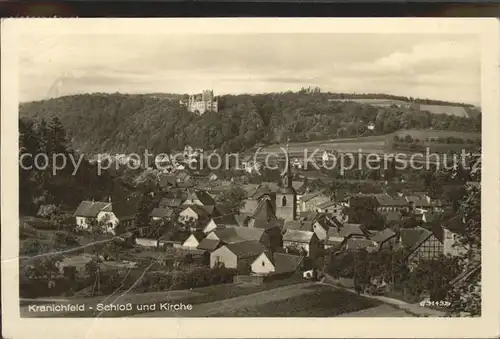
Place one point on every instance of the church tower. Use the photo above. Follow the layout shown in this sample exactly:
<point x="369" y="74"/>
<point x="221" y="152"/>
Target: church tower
<point x="286" y="197"/>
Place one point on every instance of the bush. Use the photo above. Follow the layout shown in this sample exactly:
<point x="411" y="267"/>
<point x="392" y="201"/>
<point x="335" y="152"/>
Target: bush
<point x="160" y="281"/>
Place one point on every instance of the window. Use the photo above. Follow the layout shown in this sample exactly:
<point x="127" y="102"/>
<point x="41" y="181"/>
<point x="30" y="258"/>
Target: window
<point x="283" y="201"/>
<point x="263" y="263"/>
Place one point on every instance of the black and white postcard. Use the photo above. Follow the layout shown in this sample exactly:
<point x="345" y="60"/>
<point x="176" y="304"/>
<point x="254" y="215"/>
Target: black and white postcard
<point x="302" y="177"/>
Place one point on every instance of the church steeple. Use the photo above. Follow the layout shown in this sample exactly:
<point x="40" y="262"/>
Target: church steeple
<point x="286" y="179"/>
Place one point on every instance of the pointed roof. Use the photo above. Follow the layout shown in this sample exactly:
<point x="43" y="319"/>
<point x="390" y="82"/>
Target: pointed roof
<point x="246" y="249"/>
<point x="91" y="209"/>
<point x="264" y="211"/>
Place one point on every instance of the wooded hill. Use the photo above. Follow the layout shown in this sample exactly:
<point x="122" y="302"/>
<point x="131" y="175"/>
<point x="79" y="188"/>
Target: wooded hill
<point x="130" y="123"/>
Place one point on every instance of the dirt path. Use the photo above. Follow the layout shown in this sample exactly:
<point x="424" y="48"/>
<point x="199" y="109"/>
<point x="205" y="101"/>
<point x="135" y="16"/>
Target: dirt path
<point x="232" y="304"/>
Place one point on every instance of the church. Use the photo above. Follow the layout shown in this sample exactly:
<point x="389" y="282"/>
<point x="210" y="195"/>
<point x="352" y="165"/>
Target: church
<point x="280" y="199"/>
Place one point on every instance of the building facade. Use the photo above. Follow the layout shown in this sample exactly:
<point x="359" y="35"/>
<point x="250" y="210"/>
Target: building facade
<point x="203" y="102"/>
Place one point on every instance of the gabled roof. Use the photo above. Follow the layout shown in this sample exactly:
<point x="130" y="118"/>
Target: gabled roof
<point x="412" y="238"/>
<point x="126" y="209"/>
<point x="90" y="209"/>
<point x="158" y="212"/>
<point x="327" y="204"/>
<point x="387" y="200"/>
<point x="250" y="189"/>
<point x="383" y="235"/>
<point x="345" y="231"/>
<point x="391" y="215"/>
<point x="170" y="202"/>
<point x="268" y="224"/>
<point x="264" y="211"/>
<point x="298" y="236"/>
<point x="298" y="225"/>
<point x="208" y="244"/>
<point x="419" y="201"/>
<point x="247" y="249"/>
<point x="286" y="263"/>
<point x="308" y="196"/>
<point x="239" y="234"/>
<point x="358" y="244"/>
<point x="199" y="210"/>
<point x="202" y="196"/>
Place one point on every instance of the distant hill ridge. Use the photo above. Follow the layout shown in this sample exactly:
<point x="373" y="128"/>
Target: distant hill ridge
<point x="128" y="123"/>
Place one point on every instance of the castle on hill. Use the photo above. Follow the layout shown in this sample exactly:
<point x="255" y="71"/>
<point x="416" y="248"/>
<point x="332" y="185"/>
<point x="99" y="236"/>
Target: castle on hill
<point x="203" y="102"/>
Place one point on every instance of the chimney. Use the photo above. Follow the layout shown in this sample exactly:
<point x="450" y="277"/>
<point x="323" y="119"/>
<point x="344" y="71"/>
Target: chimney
<point x="109" y="199"/>
<point x="93" y="201"/>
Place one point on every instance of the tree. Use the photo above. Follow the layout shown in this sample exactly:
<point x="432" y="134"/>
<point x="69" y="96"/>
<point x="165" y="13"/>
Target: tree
<point x="141" y="218"/>
<point x="233" y="198"/>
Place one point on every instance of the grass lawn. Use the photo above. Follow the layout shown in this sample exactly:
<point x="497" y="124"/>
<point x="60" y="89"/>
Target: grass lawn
<point x="195" y="296"/>
<point x="323" y="301"/>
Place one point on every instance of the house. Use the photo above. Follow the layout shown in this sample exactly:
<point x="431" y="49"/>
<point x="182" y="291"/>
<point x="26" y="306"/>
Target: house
<point x="192" y="241"/>
<point x="391" y="217"/>
<point x="276" y="263"/>
<point x="212" y="177"/>
<point x="170" y="202"/>
<point x="356" y="244"/>
<point x="87" y="212"/>
<point x="236" y="254"/>
<point x="453" y="229"/>
<point x="200" y="198"/>
<point x="386" y="203"/>
<point x="225" y="221"/>
<point x="231" y="235"/>
<point x="332" y="208"/>
<point x="193" y="214"/>
<point x="310" y="201"/>
<point x="338" y="235"/>
<point x="164" y="213"/>
<point x="420" y="243"/>
<point x="299" y="225"/>
<point x="322" y="223"/>
<point x="384" y="239"/>
<point x="297" y="241"/>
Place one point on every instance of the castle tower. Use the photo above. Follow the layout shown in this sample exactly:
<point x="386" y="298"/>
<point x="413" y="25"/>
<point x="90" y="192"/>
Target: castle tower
<point x="286" y="197"/>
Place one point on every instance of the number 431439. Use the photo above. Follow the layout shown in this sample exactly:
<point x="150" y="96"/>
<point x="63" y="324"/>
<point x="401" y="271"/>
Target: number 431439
<point x="439" y="303"/>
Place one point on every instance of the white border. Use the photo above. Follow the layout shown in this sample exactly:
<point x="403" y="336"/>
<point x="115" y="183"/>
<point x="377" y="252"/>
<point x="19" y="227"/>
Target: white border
<point x="486" y="326"/>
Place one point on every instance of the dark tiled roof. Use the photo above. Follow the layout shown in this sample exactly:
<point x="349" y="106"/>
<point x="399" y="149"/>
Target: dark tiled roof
<point x="358" y="244"/>
<point x="298" y="236"/>
<point x="286" y="263"/>
<point x="298" y="225"/>
<point x="202" y="196"/>
<point x="246" y="249"/>
<point x="327" y="204"/>
<point x="412" y="237"/>
<point x="387" y="200"/>
<point x="391" y="215"/>
<point x="308" y="196"/>
<point x="167" y="180"/>
<point x="382" y="236"/>
<point x="170" y="202"/>
<point x="161" y="212"/>
<point x="264" y="211"/>
<point x="90" y="209"/>
<point x="208" y="244"/>
<point x="126" y="209"/>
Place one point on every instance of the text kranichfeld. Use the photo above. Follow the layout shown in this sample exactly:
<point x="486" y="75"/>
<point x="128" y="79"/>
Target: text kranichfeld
<point x="56" y="308"/>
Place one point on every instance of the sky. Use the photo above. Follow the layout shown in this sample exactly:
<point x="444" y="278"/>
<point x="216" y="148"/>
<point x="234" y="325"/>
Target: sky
<point x="443" y="67"/>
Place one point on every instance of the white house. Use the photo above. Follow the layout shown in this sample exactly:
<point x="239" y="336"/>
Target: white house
<point x="277" y="263"/>
<point x="263" y="264"/>
<point x="93" y="211"/>
<point x="191" y="242"/>
<point x="236" y="254"/>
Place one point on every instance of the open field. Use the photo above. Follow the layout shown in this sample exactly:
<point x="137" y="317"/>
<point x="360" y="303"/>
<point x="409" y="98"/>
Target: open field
<point x="196" y="296"/>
